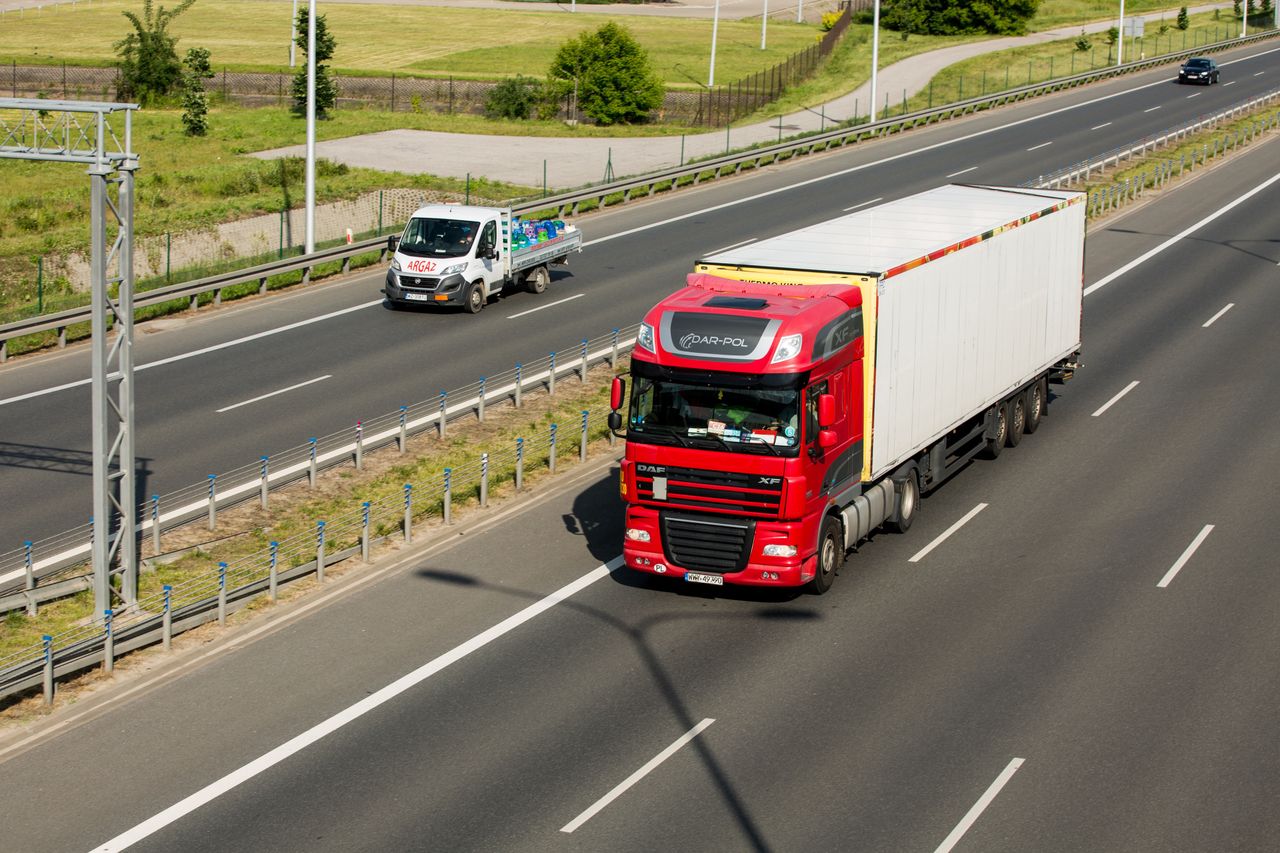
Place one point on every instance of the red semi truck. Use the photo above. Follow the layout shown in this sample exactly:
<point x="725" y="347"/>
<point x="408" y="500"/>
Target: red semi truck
<point x="804" y="390"/>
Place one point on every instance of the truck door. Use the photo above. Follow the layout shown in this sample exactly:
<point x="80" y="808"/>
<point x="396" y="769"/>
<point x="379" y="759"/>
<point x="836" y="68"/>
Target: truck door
<point x="493" y="266"/>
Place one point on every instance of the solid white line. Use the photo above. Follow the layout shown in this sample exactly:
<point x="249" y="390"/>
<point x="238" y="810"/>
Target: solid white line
<point x="863" y="204"/>
<point x="979" y="807"/>
<point x="1186" y="555"/>
<point x="1041" y="145"/>
<point x="1148" y="255"/>
<point x="1194" y="95"/>
<point x="1209" y="322"/>
<point x="923" y="552"/>
<point x="297" y="744"/>
<point x="1153" y="109"/>
<point x="636" y="777"/>
<point x="548" y="305"/>
<point x="274" y="393"/>
<point x="1232" y="83"/>
<point x="224" y="345"/>
<point x="1101" y="126"/>
<point x="962" y="171"/>
<point x="1112" y="401"/>
<point x="1259" y="74"/>
<point x="734" y="246"/>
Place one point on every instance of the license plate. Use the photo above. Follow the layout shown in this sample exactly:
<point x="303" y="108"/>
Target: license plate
<point x="418" y="297"/>
<point x="698" y="577"/>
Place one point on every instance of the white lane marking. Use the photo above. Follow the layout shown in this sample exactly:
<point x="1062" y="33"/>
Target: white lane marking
<point x="205" y="350"/>
<point x="1186" y="555"/>
<point x="1195" y="95"/>
<point x="274" y="393"/>
<point x="548" y="305"/>
<point x="962" y="171"/>
<point x="1153" y="109"/>
<point x="924" y="552"/>
<point x="1148" y="255"/>
<point x="863" y="204"/>
<point x="1259" y="74"/>
<point x="636" y="777"/>
<point x="980" y="806"/>
<point x="1101" y="126"/>
<point x="350" y="714"/>
<point x="1225" y="309"/>
<point x="1232" y="83"/>
<point x="727" y="248"/>
<point x="1041" y="145"/>
<point x="1116" y="398"/>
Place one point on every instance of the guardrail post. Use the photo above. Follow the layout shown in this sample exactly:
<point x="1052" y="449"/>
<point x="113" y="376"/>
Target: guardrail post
<point x="109" y="643"/>
<point x="613" y="353"/>
<point x="155" y="523"/>
<point x="273" y="573"/>
<point x="551" y="376"/>
<point x="166" y="632"/>
<point x="31" y="577"/>
<point x="213" y="501"/>
<point x="519" y="384"/>
<point x="480" y="402"/>
<point x="582" y="371"/>
<point x="222" y="594"/>
<point x="443" y="399"/>
<point x="582" y="452"/>
<point x="311" y="469"/>
<point x="408" y="513"/>
<point x="448" y="496"/>
<point x="403" y="438"/>
<point x="484" y="479"/>
<point x="364" y="532"/>
<point x="264" y="486"/>
<point x="320" y="551"/>
<point x="359" y="445"/>
<point x="48" y="669"/>
<point x="551" y="452"/>
<point x="519" y="464"/>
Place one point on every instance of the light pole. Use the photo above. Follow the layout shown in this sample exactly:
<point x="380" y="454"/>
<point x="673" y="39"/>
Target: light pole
<point x="715" y="27"/>
<point x="1120" y="40"/>
<point x="764" y="22"/>
<point x="1244" y="21"/>
<point x="875" y="55"/>
<point x="311" y="128"/>
<point x="293" y="33"/>
<point x="799" y="11"/>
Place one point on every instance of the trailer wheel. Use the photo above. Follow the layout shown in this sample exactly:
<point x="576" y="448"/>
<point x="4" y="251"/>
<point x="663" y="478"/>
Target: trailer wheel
<point x="475" y="297"/>
<point x="537" y="279"/>
<point x="1017" y="419"/>
<point x="908" y="489"/>
<point x="1037" y="397"/>
<point x="993" y="445"/>
<point x="830" y="556"/>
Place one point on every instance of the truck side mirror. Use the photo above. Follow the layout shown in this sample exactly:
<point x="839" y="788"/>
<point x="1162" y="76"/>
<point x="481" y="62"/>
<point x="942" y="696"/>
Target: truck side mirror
<point x="617" y="393"/>
<point x="826" y="438"/>
<point x="615" y="422"/>
<point x="392" y="243"/>
<point x="826" y="410"/>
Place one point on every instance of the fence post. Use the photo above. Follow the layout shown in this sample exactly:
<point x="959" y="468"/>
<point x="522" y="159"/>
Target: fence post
<point x="403" y="438"/>
<point x="213" y="501"/>
<point x="264" y="487"/>
<point x="273" y="572"/>
<point x="109" y="643"/>
<point x="480" y="403"/>
<point x="31" y="577"/>
<point x="484" y="480"/>
<point x="582" y="452"/>
<point x="408" y="513"/>
<point x="519" y="464"/>
<point x="364" y="532"/>
<point x="582" y="373"/>
<point x="48" y="669"/>
<point x="222" y="594"/>
<point x="320" y="551"/>
<point x="359" y="445"/>
<point x="613" y="352"/>
<point x="443" y="398"/>
<point x="551" y="376"/>
<point x="448" y="496"/>
<point x="519" y="383"/>
<point x="311" y="470"/>
<point x="551" y="453"/>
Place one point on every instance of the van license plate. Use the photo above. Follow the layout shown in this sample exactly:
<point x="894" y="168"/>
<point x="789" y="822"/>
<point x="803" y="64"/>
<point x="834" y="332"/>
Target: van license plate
<point x="418" y="297"/>
<point x="698" y="577"/>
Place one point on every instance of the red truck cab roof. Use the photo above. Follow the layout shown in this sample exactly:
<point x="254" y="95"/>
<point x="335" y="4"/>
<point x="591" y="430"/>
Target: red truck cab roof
<point x="748" y="327"/>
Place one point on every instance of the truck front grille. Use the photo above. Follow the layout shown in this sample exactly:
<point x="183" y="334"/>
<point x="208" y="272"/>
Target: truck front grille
<point x="414" y="282"/>
<point x="712" y="491"/>
<point x="707" y="544"/>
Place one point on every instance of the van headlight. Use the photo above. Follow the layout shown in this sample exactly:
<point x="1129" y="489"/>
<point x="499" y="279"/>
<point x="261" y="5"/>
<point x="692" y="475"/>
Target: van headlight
<point x="395" y="263"/>
<point x="453" y="270"/>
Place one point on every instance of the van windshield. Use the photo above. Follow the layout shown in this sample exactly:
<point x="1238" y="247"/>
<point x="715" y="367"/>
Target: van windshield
<point x="746" y="420"/>
<point x="438" y="238"/>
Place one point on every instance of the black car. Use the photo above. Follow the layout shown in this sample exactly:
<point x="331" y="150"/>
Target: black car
<point x="1198" y="69"/>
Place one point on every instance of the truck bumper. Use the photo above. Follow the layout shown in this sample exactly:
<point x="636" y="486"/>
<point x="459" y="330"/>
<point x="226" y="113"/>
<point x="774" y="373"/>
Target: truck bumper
<point x="447" y="291"/>
<point x="759" y="570"/>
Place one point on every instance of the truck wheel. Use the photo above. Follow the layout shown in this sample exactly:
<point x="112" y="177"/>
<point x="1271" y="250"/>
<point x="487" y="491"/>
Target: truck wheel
<point x="1037" y="396"/>
<point x="908" y="489"/>
<point x="475" y="297"/>
<point x="537" y="280"/>
<point x="1017" y="419"/>
<point x="830" y="556"/>
<point x="992" y="446"/>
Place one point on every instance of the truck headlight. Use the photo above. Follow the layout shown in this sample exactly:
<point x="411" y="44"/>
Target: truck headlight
<point x="635" y="534"/>
<point x="777" y="550"/>
<point x="788" y="348"/>
<point x="645" y="337"/>
<point x="453" y="270"/>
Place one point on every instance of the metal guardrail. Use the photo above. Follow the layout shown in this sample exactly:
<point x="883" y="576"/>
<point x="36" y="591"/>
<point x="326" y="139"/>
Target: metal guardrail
<point x="571" y="203"/>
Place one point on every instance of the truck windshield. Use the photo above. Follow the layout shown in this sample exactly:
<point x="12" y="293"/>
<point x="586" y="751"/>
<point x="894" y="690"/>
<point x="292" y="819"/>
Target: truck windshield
<point x="741" y="420"/>
<point x="438" y="238"/>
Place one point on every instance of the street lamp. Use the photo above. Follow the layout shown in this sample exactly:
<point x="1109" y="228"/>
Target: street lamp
<point x="764" y="22"/>
<point x="311" y="128"/>
<point x="875" y="55"/>
<point x="293" y="33"/>
<point x="715" y="27"/>
<point x="1120" y="40"/>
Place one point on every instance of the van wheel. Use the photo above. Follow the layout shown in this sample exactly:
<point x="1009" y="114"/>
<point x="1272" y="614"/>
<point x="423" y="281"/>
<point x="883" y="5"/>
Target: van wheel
<point x="1037" y="397"/>
<point x="908" y="502"/>
<point x="475" y="297"/>
<point x="830" y="556"/>
<point x="1017" y="419"/>
<point x="992" y="446"/>
<point x="537" y="280"/>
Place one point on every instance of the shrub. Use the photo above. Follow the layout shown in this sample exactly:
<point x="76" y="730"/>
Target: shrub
<point x="1083" y="44"/>
<point x="1184" y="20"/>
<point x="149" y="67"/>
<point x="514" y="98"/>
<point x="829" y="21"/>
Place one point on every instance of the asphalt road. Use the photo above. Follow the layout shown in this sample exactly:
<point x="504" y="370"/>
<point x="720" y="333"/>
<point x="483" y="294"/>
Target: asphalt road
<point x="1063" y="672"/>
<point x="379" y="359"/>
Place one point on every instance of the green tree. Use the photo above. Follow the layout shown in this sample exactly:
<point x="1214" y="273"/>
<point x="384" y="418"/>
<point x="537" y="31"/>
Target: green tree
<point x="953" y="17"/>
<point x="514" y="98"/>
<point x="326" y="92"/>
<point x="195" y="100"/>
<point x="1235" y="9"/>
<point x="1184" y="20"/>
<point x="149" y="66"/>
<point x="1083" y="43"/>
<point x="615" y="81"/>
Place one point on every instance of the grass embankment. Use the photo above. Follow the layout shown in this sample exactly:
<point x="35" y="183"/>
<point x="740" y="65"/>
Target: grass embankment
<point x="248" y="530"/>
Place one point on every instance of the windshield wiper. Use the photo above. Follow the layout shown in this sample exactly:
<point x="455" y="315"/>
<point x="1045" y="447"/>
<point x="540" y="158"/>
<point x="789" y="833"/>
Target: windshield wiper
<point x="755" y="439"/>
<point x="672" y="434"/>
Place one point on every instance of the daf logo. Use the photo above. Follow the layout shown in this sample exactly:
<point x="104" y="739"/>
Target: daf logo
<point x="692" y="339"/>
<point x="651" y="469"/>
<point x="769" y="481"/>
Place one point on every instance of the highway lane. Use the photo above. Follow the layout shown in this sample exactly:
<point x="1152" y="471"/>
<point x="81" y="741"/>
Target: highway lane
<point x="378" y="359"/>
<point x="872" y="718"/>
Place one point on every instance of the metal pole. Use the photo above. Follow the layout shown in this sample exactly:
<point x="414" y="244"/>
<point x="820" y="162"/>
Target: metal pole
<point x="551" y="376"/>
<point x="48" y="669"/>
<point x="715" y="27"/>
<point x="364" y="532"/>
<point x="583" y="370"/>
<point x="443" y="397"/>
<point x="109" y="643"/>
<point x="311" y="463"/>
<point x="408" y="513"/>
<point x="311" y="128"/>
<point x="519" y="384"/>
<point x="222" y="594"/>
<point x="551" y="452"/>
<point x="1120" y="41"/>
<point x="448" y="496"/>
<point x="263" y="488"/>
<point x="359" y="445"/>
<point x="167" y="621"/>
<point x="273" y="573"/>
<point x="764" y="23"/>
<point x="155" y="524"/>
<point x="519" y="464"/>
<point x="293" y="33"/>
<point x="213" y="501"/>
<point x="582" y="451"/>
<point x="875" y="54"/>
<point x="484" y="479"/>
<point x="404" y="436"/>
<point x="320" y="551"/>
<point x="480" y="402"/>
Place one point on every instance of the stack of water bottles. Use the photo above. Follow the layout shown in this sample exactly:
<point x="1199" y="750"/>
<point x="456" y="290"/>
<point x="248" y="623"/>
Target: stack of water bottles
<point x="531" y="232"/>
